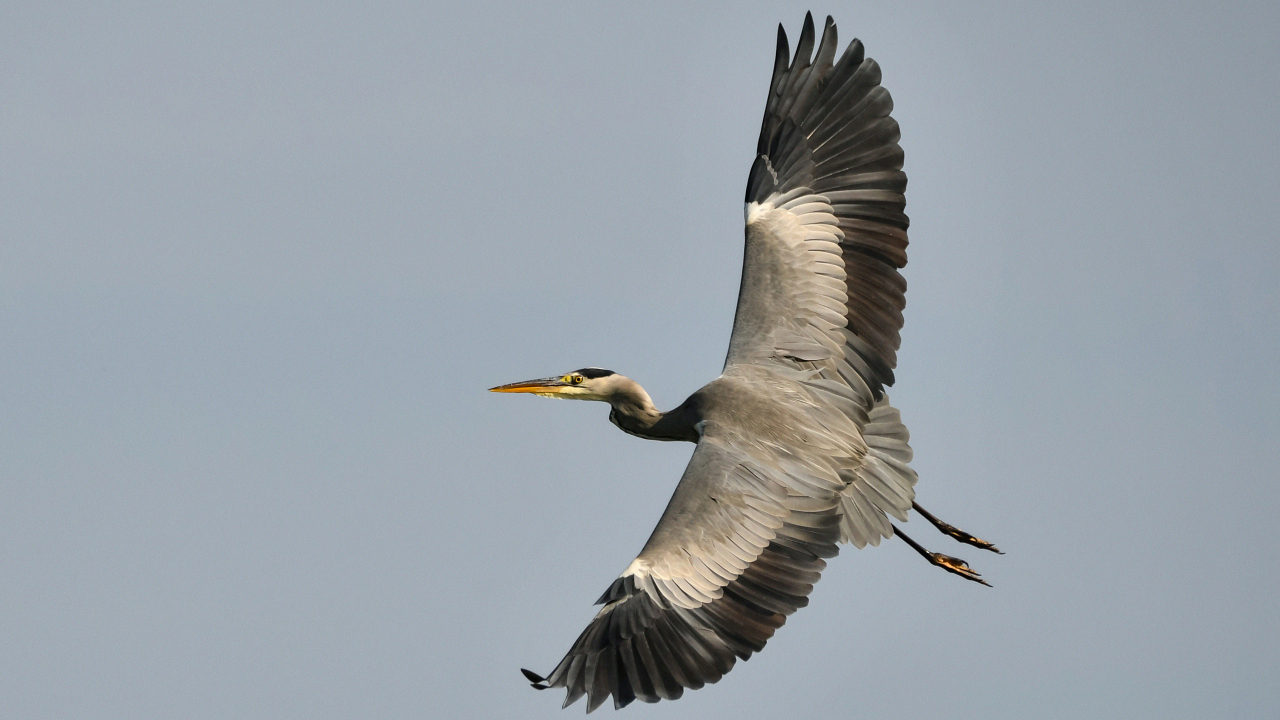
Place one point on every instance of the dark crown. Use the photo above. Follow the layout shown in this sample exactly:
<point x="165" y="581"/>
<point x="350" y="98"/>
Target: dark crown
<point x="593" y="373"/>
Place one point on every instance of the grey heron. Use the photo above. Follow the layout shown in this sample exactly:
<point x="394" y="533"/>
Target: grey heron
<point x="798" y="449"/>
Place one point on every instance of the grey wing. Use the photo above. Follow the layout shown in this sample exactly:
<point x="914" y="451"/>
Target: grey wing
<point x="826" y="232"/>
<point x="737" y="550"/>
<point x="825" y="238"/>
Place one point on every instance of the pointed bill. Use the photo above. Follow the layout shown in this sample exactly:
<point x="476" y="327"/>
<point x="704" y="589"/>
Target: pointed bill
<point x="543" y="386"/>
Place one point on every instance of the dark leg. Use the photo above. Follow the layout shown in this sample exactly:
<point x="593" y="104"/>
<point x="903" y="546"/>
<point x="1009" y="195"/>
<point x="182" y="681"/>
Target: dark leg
<point x="955" y="532"/>
<point x="946" y="562"/>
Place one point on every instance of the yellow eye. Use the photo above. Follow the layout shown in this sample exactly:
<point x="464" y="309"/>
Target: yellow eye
<point x="577" y="379"/>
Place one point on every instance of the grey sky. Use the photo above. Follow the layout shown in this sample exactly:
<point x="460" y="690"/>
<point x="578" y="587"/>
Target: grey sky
<point x="259" y="263"/>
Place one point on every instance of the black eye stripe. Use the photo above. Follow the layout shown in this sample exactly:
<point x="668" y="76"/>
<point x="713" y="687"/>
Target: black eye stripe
<point x="593" y="373"/>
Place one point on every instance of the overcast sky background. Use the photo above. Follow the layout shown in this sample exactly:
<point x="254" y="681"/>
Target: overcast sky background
<point x="259" y="263"/>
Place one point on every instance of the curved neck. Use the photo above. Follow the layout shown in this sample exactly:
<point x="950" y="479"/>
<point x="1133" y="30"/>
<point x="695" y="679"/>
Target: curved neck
<point x="635" y="414"/>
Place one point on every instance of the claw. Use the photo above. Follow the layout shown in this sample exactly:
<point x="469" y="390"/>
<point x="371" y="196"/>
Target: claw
<point x="957" y="566"/>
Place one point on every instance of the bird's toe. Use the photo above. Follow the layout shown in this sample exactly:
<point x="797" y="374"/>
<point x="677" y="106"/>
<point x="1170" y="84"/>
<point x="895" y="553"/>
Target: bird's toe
<point x="959" y="567"/>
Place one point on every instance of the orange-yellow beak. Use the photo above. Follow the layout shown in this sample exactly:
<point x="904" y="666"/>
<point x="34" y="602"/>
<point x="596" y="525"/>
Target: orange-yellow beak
<point x="544" y="386"/>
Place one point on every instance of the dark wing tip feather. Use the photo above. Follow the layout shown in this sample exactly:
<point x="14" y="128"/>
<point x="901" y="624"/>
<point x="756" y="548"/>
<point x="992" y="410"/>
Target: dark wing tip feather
<point x="827" y="48"/>
<point x="782" y="53"/>
<point x="804" y="46"/>
<point x="538" y="682"/>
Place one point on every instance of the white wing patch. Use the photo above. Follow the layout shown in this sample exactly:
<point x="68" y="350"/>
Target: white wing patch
<point x="807" y="304"/>
<point x="799" y="216"/>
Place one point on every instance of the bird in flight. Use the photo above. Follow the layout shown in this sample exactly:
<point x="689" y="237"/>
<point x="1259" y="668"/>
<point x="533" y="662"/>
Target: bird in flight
<point x="798" y="449"/>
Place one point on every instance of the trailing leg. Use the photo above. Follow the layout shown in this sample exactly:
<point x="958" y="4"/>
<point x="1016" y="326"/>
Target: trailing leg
<point x="946" y="562"/>
<point x="955" y="532"/>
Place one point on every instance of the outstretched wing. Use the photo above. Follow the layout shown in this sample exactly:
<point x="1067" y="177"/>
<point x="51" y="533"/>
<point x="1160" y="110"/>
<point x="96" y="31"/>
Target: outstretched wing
<point x="826" y="233"/>
<point x="737" y="550"/>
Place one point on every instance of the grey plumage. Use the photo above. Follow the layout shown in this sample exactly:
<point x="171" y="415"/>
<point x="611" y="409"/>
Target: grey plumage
<point x="798" y="448"/>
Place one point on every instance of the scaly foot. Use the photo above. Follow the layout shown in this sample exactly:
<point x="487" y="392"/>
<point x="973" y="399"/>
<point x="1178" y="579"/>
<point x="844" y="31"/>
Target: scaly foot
<point x="946" y="562"/>
<point x="957" y="566"/>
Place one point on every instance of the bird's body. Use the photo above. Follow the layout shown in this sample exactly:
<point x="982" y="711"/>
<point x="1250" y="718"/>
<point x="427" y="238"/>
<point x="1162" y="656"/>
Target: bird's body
<point x="798" y="448"/>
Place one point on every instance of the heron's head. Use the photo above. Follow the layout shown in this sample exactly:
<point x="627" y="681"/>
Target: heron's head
<point x="583" y="384"/>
